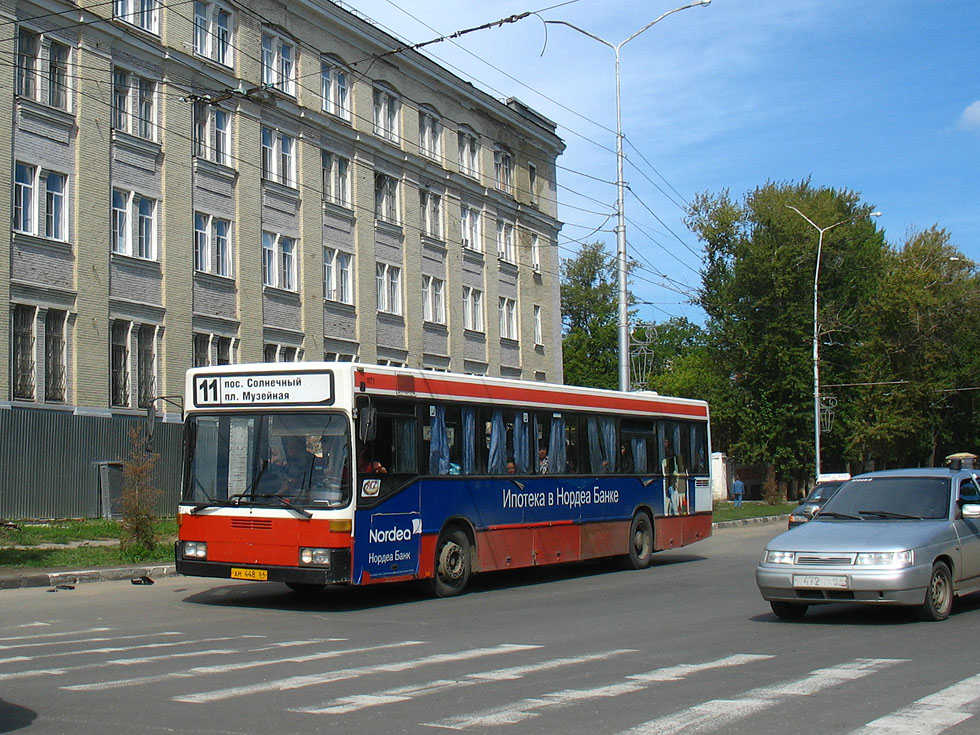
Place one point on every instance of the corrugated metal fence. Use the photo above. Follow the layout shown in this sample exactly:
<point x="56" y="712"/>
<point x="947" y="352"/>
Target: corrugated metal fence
<point x="51" y="459"/>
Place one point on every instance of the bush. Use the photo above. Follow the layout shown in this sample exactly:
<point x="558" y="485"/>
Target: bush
<point x="139" y="496"/>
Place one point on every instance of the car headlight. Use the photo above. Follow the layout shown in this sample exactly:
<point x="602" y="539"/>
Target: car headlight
<point x="778" y="557"/>
<point x="889" y="559"/>
<point x="195" y="550"/>
<point x="314" y="557"/>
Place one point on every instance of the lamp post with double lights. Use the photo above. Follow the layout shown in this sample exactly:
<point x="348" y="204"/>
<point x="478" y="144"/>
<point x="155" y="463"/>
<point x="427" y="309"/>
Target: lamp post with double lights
<point x="624" y="345"/>
<point x="816" y="326"/>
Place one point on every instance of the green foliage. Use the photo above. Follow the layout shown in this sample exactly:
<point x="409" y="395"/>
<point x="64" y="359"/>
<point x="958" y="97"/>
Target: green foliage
<point x="139" y="496"/>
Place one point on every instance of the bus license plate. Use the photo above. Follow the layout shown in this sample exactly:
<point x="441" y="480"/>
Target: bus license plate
<point x="260" y="575"/>
<point x="820" y="581"/>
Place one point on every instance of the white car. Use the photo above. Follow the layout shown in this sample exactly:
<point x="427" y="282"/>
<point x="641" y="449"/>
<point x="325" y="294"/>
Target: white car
<point x="897" y="537"/>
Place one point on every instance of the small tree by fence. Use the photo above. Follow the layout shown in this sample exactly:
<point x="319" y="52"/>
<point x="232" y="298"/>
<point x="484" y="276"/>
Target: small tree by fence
<point x="772" y="494"/>
<point x="139" y="495"/>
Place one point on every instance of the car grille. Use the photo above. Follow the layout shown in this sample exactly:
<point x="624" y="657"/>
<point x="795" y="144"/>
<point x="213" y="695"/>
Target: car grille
<point x="825" y="560"/>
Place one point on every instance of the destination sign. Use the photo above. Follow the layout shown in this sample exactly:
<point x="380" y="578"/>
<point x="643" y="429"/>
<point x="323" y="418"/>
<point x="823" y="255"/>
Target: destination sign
<point x="264" y="389"/>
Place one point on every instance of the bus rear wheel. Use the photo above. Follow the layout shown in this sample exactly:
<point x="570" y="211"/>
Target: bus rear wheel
<point x="453" y="563"/>
<point x="640" y="543"/>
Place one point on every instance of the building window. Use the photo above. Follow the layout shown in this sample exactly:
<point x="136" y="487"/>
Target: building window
<point x="212" y="133"/>
<point x="55" y="211"/>
<point x="145" y="245"/>
<point x="472" y="309"/>
<point x="385" y="198"/>
<point x="536" y="253"/>
<point x="338" y="357"/>
<point x="146" y="228"/>
<point x="212" y="245"/>
<point x="146" y="355"/>
<point x="469" y="227"/>
<point x="23" y="362"/>
<point x="469" y="152"/>
<point x="433" y="300"/>
<point x="505" y="242"/>
<point x="25" y="199"/>
<point x="385" y="114"/>
<point x="503" y="172"/>
<point x="58" y="76"/>
<point x="202" y="350"/>
<point x="532" y="182"/>
<point x="28" y="48"/>
<point x="428" y="133"/>
<point x="119" y="368"/>
<point x="389" y="288"/>
<point x="278" y="63"/>
<point x="280" y="353"/>
<point x="334" y="88"/>
<point x="538" y="334"/>
<point x="224" y="356"/>
<point x="144" y="14"/>
<point x="430" y="206"/>
<point x="337" y="276"/>
<point x="335" y="175"/>
<point x="279" y="261"/>
<point x="213" y="32"/>
<point x="55" y="361"/>
<point x="134" y="104"/>
<point x="507" y="310"/>
<point x="120" y="221"/>
<point x="278" y="157"/>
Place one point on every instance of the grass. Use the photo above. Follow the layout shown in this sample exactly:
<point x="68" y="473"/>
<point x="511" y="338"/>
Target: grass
<point x="28" y="545"/>
<point x="726" y="511"/>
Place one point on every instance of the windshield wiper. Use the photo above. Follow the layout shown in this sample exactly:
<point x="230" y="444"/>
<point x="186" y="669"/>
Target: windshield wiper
<point x="199" y="506"/>
<point x="835" y="514"/>
<point x="285" y="503"/>
<point x="888" y="514"/>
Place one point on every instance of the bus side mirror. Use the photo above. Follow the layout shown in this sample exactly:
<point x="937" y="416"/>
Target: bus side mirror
<point x="367" y="424"/>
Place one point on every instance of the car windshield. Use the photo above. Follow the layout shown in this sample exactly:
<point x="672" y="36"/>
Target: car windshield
<point x="890" y="498"/>
<point x="823" y="491"/>
<point x="296" y="460"/>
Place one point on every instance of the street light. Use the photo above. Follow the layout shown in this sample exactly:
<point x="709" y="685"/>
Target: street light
<point x="816" y="327"/>
<point x="624" y="345"/>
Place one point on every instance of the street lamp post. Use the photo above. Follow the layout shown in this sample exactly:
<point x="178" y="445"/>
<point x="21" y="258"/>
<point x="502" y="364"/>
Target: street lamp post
<point x="624" y="344"/>
<point x="816" y="328"/>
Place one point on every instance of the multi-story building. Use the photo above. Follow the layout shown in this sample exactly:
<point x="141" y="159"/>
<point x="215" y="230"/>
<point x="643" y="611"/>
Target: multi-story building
<point x="212" y="182"/>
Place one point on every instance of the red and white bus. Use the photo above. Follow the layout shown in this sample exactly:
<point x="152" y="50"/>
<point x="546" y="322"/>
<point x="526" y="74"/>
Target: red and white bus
<point x="343" y="473"/>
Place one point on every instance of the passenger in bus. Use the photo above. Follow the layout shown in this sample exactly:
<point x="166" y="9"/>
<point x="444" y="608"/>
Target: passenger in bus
<point x="511" y="467"/>
<point x="366" y="465"/>
<point x="542" y="459"/>
<point x="297" y="474"/>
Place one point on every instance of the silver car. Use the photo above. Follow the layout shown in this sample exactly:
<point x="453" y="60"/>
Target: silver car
<point x="898" y="537"/>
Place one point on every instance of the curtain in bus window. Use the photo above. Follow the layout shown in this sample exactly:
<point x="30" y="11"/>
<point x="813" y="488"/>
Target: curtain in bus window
<point x="682" y="448"/>
<point x="498" y="445"/>
<point x="638" y="447"/>
<point x="469" y="441"/>
<point x="597" y="462"/>
<point x="404" y="449"/>
<point x="439" y="444"/>
<point x="607" y="430"/>
<point x="521" y="442"/>
<point x="556" y="445"/>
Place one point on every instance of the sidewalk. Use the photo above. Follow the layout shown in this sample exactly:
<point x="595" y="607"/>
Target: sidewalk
<point x="15" y="578"/>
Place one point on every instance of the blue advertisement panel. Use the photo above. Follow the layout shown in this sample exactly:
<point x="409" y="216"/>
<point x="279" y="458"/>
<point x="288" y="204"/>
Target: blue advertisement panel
<point x="392" y="544"/>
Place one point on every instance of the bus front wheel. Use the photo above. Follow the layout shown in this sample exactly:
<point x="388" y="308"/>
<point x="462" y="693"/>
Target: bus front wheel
<point x="640" y="543"/>
<point x="453" y="563"/>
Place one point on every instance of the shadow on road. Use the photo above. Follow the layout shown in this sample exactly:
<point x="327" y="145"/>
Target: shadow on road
<point x="854" y="614"/>
<point x="14" y="717"/>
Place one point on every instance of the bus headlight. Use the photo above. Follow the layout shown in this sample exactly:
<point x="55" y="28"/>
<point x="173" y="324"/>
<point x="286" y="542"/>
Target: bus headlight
<point x="195" y="550"/>
<point x="314" y="557"/>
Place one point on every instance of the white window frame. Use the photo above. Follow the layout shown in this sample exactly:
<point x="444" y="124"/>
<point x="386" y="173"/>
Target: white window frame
<point x="145" y="209"/>
<point x="143" y="14"/>
<point x="134" y="225"/>
<point x="506" y="248"/>
<point x="279" y="261"/>
<point x="56" y="207"/>
<point x="337" y="280"/>
<point x="473" y="309"/>
<point x="389" y="287"/>
<point x="213" y="39"/>
<point x="468" y="148"/>
<point x="386" y="114"/>
<point x="212" y="245"/>
<point x="212" y="133"/>
<point x="134" y="104"/>
<point x="433" y="300"/>
<point x="28" y="82"/>
<point x="386" y="198"/>
<point x="429" y="133"/>
<point x="335" y="87"/>
<point x="469" y="227"/>
<point x="538" y="332"/>
<point x="503" y="170"/>
<point x="279" y="63"/>
<point x="335" y="177"/>
<point x="430" y="213"/>
<point x="535" y="252"/>
<point x="121" y="236"/>
<point x="507" y="311"/>
<point x="59" y="76"/>
<point x="26" y="183"/>
<point x="278" y="157"/>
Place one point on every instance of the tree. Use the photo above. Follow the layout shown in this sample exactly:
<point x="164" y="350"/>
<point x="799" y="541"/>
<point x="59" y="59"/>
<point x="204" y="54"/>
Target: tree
<point x="589" y="318"/>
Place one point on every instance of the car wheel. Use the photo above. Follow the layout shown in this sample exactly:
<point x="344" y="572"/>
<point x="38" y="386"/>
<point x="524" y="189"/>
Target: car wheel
<point x="453" y="563"/>
<point x="788" y="610"/>
<point x="939" y="594"/>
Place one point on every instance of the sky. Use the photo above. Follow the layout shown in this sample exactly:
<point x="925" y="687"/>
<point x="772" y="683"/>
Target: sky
<point x="881" y="98"/>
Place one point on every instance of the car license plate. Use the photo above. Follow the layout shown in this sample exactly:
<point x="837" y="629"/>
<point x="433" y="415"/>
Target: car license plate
<point x="820" y="581"/>
<point x="260" y="575"/>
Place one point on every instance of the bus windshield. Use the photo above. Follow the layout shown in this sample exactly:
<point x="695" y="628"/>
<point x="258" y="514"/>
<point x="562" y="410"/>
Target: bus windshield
<point x="267" y="459"/>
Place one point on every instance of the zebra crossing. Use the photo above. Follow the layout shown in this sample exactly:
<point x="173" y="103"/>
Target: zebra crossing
<point x="329" y="678"/>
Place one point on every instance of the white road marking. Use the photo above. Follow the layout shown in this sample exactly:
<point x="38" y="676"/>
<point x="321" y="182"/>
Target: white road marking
<point x="298" y="682"/>
<point x="357" y="702"/>
<point x="204" y="670"/>
<point x="88" y="640"/>
<point x="930" y="715"/>
<point x="716" y="715"/>
<point x="527" y="708"/>
<point x="21" y="638"/>
<point x="139" y="647"/>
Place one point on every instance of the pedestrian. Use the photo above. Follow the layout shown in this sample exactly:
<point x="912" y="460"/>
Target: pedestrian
<point x="738" y="490"/>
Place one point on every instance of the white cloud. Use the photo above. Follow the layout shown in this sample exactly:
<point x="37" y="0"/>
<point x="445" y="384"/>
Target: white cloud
<point x="970" y="117"/>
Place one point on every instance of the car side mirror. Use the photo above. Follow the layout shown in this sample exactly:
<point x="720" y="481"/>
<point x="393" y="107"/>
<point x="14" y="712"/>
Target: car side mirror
<point x="971" y="511"/>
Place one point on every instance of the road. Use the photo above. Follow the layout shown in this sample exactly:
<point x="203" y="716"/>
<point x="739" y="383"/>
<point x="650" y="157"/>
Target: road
<point x="685" y="647"/>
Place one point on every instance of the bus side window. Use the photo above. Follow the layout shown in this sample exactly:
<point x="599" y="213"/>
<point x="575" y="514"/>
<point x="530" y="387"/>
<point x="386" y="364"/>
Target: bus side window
<point x="396" y="438"/>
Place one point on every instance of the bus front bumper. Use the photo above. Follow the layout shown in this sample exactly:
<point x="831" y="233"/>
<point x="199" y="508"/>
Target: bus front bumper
<point x="337" y="573"/>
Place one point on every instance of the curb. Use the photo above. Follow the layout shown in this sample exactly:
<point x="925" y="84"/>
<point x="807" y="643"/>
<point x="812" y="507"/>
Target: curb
<point x="750" y="522"/>
<point x="73" y="577"/>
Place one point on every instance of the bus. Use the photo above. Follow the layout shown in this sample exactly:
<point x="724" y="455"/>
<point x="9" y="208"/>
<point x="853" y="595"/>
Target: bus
<point x="315" y="474"/>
